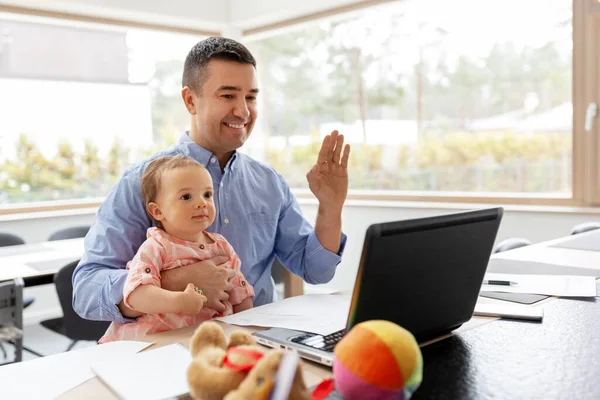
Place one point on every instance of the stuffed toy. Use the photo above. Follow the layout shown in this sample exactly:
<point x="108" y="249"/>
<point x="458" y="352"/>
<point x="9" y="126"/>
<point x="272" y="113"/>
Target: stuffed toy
<point x="238" y="369"/>
<point x="261" y="381"/>
<point x="375" y="360"/>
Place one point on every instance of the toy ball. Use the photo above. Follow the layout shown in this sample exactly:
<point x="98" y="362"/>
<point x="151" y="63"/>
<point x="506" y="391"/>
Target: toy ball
<point x="377" y="360"/>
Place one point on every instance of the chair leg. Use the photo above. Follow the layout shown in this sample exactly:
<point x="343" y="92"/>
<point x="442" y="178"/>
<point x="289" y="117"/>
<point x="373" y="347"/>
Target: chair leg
<point x="73" y="343"/>
<point x="35" y="353"/>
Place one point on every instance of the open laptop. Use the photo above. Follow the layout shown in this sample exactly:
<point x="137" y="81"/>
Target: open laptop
<point x="423" y="274"/>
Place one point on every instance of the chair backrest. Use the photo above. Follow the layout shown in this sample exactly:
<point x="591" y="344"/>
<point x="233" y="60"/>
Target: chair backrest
<point x="10" y="239"/>
<point x="585" y="227"/>
<point x="76" y="328"/>
<point x="72" y="232"/>
<point x="277" y="271"/>
<point x="511" y="243"/>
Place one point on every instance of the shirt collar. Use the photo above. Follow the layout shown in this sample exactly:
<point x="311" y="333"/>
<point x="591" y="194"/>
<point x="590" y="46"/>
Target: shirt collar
<point x="201" y="154"/>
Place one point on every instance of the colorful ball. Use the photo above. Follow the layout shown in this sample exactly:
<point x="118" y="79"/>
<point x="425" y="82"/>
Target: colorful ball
<point x="377" y="360"/>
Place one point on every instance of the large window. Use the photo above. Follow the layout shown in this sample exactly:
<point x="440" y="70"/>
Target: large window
<point x="463" y="100"/>
<point x="81" y="102"/>
<point x="434" y="96"/>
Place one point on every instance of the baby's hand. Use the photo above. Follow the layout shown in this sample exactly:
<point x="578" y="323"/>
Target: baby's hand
<point x="191" y="301"/>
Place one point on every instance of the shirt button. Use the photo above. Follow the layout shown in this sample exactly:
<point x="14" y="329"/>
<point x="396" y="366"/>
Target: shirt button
<point x="221" y="184"/>
<point x="213" y="160"/>
<point x="226" y="220"/>
<point x="148" y="270"/>
<point x="201" y="247"/>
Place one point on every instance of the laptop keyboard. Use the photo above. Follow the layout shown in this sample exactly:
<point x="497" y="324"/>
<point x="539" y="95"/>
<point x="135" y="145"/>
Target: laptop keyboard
<point x="320" y="342"/>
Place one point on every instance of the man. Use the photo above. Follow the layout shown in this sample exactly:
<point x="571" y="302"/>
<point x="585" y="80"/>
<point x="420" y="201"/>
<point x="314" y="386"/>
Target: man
<point x="256" y="210"/>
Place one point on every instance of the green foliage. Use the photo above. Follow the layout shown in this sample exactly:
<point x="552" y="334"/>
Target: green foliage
<point x="31" y="176"/>
<point x="505" y="161"/>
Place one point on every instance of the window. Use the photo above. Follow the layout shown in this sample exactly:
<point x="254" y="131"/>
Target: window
<point x="460" y="97"/>
<point x="468" y="100"/>
<point x="80" y="102"/>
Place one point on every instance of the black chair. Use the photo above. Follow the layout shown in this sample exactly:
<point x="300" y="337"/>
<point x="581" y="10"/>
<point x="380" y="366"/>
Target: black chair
<point x="511" y="243"/>
<point x="71" y="324"/>
<point x="72" y="232"/>
<point x="10" y="239"/>
<point x="585" y="227"/>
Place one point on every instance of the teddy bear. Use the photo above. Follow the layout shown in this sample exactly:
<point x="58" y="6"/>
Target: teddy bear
<point x="238" y="369"/>
<point x="260" y="381"/>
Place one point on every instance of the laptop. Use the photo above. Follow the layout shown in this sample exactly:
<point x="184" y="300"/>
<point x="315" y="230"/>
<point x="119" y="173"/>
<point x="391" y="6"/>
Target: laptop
<point x="423" y="274"/>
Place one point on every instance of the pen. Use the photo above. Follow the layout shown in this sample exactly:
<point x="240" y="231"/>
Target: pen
<point x="497" y="282"/>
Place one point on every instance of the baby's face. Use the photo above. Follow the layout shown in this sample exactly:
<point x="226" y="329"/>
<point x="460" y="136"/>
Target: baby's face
<point x="186" y="201"/>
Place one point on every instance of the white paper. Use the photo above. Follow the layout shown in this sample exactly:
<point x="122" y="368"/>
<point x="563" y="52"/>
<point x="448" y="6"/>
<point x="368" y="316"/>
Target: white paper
<point x="317" y="313"/>
<point x="588" y="241"/>
<point x="552" y="285"/>
<point x="49" y="377"/>
<point x="152" y="375"/>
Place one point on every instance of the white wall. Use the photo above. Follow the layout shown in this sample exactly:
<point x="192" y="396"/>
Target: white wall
<point x="536" y="225"/>
<point x="198" y="14"/>
<point x="250" y="14"/>
<point x="216" y="15"/>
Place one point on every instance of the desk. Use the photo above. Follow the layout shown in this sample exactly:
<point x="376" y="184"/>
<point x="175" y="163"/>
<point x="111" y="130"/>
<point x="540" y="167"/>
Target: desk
<point x="498" y="360"/>
<point x="580" y="261"/>
<point x="38" y="262"/>
<point x="555" y="359"/>
<point x="503" y="359"/>
<point x="95" y="389"/>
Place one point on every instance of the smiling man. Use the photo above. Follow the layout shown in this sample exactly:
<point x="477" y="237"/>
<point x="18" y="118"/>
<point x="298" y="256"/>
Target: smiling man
<point x="256" y="210"/>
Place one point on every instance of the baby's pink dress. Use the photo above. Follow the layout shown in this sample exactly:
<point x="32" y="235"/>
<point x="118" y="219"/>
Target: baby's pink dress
<point x="161" y="252"/>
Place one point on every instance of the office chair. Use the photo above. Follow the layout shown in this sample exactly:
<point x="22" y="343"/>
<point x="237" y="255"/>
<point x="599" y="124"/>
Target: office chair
<point x="277" y="271"/>
<point x="70" y="324"/>
<point x="72" y="232"/>
<point x="585" y="227"/>
<point x="511" y="243"/>
<point x="10" y="239"/>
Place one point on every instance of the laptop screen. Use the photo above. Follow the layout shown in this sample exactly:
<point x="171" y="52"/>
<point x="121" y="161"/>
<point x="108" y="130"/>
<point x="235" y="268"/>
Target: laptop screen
<point x="424" y="274"/>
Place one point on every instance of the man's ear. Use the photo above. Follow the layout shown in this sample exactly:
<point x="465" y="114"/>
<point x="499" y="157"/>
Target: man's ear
<point x="187" y="94"/>
<point x="154" y="210"/>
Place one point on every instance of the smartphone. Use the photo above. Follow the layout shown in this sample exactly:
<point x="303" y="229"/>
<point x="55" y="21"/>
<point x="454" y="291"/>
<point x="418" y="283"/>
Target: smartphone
<point x="510" y="311"/>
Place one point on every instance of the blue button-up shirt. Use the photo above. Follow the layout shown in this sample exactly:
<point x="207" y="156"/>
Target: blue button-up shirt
<point x="256" y="212"/>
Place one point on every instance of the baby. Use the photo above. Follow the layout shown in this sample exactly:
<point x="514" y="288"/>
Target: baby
<point x="178" y="194"/>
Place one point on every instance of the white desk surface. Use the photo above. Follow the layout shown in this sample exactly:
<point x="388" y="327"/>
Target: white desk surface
<point x="580" y="261"/>
<point x="14" y="259"/>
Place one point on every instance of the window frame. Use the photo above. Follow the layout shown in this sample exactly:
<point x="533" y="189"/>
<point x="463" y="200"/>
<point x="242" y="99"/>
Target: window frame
<point x="585" y="90"/>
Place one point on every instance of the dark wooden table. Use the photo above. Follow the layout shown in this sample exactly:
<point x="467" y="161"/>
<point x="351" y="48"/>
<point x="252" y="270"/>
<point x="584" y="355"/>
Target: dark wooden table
<point x="558" y="358"/>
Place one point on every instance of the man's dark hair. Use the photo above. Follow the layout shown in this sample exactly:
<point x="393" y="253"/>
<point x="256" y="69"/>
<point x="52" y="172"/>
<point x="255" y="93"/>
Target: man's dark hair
<point x="195" y="71"/>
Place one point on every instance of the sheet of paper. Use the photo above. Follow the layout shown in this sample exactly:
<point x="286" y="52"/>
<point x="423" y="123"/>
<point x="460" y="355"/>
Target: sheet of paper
<point x="558" y="266"/>
<point x="553" y="285"/>
<point x="588" y="241"/>
<point x="49" y="377"/>
<point x="152" y="375"/>
<point x="317" y="313"/>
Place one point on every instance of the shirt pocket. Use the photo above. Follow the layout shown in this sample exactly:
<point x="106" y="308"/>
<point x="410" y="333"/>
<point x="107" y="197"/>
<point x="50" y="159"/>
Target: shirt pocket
<point x="263" y="230"/>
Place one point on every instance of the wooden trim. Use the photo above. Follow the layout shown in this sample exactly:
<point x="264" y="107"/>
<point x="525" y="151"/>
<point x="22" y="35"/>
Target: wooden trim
<point x="49" y="206"/>
<point x="579" y="103"/>
<point x="594" y="84"/>
<point x="314" y="16"/>
<point x="593" y="6"/>
<point x="105" y="20"/>
<point x="433" y="197"/>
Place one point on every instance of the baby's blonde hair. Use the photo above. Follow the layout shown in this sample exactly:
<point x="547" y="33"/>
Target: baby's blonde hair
<point x="153" y="174"/>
